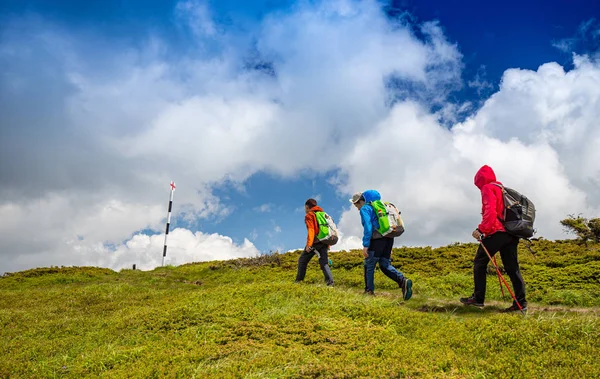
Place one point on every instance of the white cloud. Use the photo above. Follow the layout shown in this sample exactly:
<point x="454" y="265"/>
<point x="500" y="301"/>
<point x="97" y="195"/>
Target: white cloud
<point x="585" y="40"/>
<point x="134" y="119"/>
<point x="113" y="126"/>
<point x="277" y="229"/>
<point x="538" y="133"/>
<point x="198" y="16"/>
<point x="480" y="83"/>
<point x="350" y="242"/>
<point x="183" y="246"/>
<point x="565" y="45"/>
<point x="264" y="208"/>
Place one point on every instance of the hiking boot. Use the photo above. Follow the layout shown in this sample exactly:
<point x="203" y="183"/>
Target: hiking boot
<point x="514" y="308"/>
<point x="406" y="286"/>
<point x="368" y="293"/>
<point x="471" y="301"/>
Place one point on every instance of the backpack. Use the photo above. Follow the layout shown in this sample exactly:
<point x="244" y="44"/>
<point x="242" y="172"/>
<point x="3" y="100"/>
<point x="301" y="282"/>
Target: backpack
<point x="390" y="222"/>
<point x="519" y="213"/>
<point x="328" y="233"/>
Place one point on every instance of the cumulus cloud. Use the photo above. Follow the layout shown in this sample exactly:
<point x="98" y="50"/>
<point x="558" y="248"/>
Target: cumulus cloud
<point x="538" y="132"/>
<point x="113" y="128"/>
<point x="92" y="137"/>
<point x="145" y="251"/>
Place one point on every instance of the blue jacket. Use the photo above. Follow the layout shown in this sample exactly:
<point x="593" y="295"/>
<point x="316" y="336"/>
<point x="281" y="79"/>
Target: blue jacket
<point x="368" y="218"/>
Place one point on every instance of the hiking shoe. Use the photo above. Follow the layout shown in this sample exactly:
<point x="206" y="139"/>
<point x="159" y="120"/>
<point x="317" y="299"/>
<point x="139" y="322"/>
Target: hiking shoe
<point x="514" y="308"/>
<point x="471" y="301"/>
<point x="406" y="286"/>
<point x="368" y="293"/>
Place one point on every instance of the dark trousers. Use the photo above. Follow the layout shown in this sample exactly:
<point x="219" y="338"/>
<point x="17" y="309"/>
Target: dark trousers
<point x="323" y="262"/>
<point x="382" y="247"/>
<point x="507" y="246"/>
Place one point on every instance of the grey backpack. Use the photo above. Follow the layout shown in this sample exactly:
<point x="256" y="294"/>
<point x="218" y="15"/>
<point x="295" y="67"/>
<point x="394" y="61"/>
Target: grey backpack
<point x="519" y="213"/>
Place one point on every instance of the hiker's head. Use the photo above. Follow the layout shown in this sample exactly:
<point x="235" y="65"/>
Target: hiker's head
<point x="485" y="175"/>
<point x="358" y="200"/>
<point x="310" y="203"/>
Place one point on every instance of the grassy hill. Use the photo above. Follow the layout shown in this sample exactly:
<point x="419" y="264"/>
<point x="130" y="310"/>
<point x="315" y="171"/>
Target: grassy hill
<point x="246" y="318"/>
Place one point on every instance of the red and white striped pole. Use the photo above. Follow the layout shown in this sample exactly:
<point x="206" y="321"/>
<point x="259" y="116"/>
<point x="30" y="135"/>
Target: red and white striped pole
<point x="168" y="221"/>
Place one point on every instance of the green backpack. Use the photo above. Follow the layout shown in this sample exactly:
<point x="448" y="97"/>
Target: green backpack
<point x="390" y="222"/>
<point x="328" y="233"/>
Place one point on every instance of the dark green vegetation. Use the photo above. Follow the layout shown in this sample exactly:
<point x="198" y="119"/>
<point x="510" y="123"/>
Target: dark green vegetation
<point x="246" y="318"/>
<point x="583" y="228"/>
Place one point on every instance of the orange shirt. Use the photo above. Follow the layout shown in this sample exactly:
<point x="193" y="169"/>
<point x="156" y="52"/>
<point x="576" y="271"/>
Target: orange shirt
<point x="312" y="226"/>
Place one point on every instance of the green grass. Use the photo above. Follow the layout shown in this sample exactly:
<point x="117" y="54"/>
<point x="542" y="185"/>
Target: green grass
<point x="247" y="319"/>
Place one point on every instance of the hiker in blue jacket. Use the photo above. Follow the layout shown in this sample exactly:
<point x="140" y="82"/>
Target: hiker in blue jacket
<point x="376" y="248"/>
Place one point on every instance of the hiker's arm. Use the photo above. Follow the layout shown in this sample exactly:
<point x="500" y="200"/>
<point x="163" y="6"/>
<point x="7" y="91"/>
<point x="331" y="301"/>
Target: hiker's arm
<point x="488" y="200"/>
<point x="365" y="217"/>
<point x="310" y="227"/>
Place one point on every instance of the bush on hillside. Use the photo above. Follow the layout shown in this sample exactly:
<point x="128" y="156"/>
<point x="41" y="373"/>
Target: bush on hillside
<point x="583" y="228"/>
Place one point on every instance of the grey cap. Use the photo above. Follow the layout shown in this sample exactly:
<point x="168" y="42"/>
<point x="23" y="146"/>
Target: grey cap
<point x="356" y="197"/>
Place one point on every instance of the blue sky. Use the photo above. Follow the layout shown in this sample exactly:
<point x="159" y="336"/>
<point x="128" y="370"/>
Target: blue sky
<point x="497" y="35"/>
<point x="479" y="40"/>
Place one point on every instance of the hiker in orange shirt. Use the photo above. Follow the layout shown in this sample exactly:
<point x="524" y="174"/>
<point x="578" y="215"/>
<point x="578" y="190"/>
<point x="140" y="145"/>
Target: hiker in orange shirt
<point x="313" y="246"/>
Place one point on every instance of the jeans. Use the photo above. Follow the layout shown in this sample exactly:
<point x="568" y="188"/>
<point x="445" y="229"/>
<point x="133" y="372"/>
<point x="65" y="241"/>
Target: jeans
<point x="507" y="245"/>
<point x="380" y="252"/>
<point x="323" y="262"/>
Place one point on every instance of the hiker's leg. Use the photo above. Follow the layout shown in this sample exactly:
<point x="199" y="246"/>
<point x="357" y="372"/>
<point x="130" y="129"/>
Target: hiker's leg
<point x="510" y="259"/>
<point x="370" y="263"/>
<point x="303" y="264"/>
<point x="387" y="248"/>
<point x="479" y="271"/>
<point x="390" y="271"/>
<point x="324" y="263"/>
<point x="480" y="263"/>
<point x="365" y="274"/>
<point x="375" y="250"/>
<point x="385" y="263"/>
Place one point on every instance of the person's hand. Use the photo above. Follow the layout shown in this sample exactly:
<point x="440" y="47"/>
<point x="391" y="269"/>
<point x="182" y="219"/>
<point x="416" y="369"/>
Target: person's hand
<point x="365" y="252"/>
<point x="477" y="235"/>
<point x="307" y="248"/>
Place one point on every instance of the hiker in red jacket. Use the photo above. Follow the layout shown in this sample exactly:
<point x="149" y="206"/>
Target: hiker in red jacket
<point x="492" y="234"/>
<point x="312" y="245"/>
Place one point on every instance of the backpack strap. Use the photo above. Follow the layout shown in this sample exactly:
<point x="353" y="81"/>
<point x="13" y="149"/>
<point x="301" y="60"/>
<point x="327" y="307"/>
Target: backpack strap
<point x="316" y="218"/>
<point x="502" y="188"/>
<point x="324" y="216"/>
<point x="317" y="225"/>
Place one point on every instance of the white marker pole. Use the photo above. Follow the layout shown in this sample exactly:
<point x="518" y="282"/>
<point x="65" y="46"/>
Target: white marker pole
<point x="168" y="222"/>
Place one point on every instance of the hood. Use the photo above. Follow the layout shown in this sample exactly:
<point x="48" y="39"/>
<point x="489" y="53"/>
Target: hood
<point x="484" y="176"/>
<point x="316" y="208"/>
<point x="371" y="195"/>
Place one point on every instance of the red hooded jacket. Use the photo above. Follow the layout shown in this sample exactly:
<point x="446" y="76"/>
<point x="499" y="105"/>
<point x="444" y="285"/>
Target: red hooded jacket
<point x="492" y="203"/>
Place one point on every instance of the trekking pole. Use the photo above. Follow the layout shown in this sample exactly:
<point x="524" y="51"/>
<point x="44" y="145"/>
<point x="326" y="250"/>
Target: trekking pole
<point x="502" y="277"/>
<point x="316" y="252"/>
<point x="499" y="281"/>
<point x="319" y="255"/>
